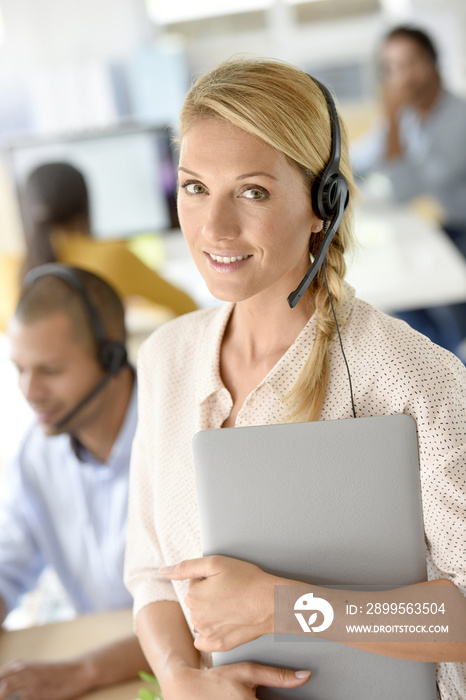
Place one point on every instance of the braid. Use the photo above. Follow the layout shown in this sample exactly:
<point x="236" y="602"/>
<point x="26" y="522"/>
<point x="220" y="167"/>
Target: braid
<point x="307" y="396"/>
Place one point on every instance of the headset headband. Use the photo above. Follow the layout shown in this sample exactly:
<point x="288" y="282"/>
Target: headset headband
<point x="333" y="165"/>
<point x="70" y="275"/>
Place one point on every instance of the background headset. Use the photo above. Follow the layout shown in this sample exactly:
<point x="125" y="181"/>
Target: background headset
<point x="330" y="197"/>
<point x="111" y="354"/>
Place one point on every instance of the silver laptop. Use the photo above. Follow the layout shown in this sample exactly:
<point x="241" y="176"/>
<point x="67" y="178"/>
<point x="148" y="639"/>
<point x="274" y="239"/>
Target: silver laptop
<point x="331" y="503"/>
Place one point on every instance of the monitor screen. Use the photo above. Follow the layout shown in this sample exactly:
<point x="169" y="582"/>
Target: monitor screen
<point x="129" y="172"/>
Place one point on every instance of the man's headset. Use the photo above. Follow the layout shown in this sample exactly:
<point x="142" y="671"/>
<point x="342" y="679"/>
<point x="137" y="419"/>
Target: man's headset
<point x="112" y="354"/>
<point x="330" y="197"/>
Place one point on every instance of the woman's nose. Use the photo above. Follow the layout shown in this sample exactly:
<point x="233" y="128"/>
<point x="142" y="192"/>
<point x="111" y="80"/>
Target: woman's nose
<point x="221" y="220"/>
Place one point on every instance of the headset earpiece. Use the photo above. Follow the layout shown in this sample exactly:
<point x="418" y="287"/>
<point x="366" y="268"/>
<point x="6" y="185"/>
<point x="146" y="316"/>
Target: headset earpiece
<point x="113" y="356"/>
<point x="327" y="194"/>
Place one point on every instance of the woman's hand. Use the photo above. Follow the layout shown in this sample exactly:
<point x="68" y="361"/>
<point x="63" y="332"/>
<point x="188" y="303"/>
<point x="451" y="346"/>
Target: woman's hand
<point x="236" y="682"/>
<point x="231" y="601"/>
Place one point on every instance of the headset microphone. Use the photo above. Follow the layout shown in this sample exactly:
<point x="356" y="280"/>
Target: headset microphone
<point x="63" y="421"/>
<point x="112" y="354"/>
<point x="330" y="197"/>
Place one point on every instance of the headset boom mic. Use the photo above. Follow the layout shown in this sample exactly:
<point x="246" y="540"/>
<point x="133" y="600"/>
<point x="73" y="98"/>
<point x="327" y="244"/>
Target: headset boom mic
<point x="71" y="414"/>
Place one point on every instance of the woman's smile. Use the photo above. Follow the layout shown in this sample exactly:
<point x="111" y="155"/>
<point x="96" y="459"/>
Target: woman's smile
<point x="227" y="262"/>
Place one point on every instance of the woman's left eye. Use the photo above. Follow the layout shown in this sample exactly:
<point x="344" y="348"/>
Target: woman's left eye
<point x="191" y="187"/>
<point x="194" y="187"/>
<point x="255" y="193"/>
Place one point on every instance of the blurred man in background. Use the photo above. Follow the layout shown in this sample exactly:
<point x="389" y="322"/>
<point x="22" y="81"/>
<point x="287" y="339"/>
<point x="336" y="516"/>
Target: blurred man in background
<point x="65" y="498"/>
<point x="420" y="148"/>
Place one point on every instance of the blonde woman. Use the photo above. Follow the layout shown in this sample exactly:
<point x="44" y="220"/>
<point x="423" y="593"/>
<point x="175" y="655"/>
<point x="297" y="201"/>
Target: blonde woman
<point x="254" y="135"/>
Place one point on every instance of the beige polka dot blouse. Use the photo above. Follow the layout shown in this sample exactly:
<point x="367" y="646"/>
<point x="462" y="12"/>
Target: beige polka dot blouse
<point x="394" y="370"/>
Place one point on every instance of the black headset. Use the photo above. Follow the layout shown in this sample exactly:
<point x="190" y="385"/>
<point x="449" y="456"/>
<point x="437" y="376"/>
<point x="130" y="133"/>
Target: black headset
<point x="330" y="197"/>
<point x="111" y="354"/>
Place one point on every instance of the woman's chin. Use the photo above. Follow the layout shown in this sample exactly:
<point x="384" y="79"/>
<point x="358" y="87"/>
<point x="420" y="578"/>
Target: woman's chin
<point x="227" y="295"/>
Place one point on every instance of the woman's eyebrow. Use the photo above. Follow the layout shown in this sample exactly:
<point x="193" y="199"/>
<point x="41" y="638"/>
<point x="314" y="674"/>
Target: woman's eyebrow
<point x="185" y="170"/>
<point x="240" y="177"/>
<point x="255" y="173"/>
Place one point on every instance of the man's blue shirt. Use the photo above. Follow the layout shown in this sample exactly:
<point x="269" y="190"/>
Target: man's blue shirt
<point x="67" y="512"/>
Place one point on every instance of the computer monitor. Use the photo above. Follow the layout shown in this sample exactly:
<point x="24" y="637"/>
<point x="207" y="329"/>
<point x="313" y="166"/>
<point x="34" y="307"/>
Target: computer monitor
<point x="129" y="171"/>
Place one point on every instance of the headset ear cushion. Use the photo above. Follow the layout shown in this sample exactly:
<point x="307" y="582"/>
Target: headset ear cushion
<point x="113" y="356"/>
<point x="336" y="191"/>
<point x="327" y="194"/>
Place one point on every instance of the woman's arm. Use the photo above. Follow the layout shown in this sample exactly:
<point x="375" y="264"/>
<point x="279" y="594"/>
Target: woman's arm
<point x="131" y="276"/>
<point x="166" y="639"/>
<point x="232" y="602"/>
<point x="168" y="646"/>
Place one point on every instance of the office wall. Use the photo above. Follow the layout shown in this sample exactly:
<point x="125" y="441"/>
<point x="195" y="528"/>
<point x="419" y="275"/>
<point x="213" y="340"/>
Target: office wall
<point x="54" y="60"/>
<point x="446" y="21"/>
<point x="321" y="42"/>
<point x="41" y="32"/>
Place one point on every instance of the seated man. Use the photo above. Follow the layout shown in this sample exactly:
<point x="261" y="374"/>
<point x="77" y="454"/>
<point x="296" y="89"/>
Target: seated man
<point x="418" y="149"/>
<point x="65" y="498"/>
<point x="416" y="146"/>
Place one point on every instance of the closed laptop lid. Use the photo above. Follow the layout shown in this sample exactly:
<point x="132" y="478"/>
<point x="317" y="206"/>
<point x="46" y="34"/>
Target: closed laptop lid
<point x="331" y="503"/>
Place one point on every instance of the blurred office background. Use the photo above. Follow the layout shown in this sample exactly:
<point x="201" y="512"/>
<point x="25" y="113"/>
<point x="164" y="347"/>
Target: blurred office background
<point x="67" y="65"/>
<point x="74" y="71"/>
<point x="100" y="83"/>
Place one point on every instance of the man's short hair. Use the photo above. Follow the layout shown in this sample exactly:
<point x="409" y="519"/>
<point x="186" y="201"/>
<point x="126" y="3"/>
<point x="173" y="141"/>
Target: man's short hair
<point x="49" y="295"/>
<point x="417" y="35"/>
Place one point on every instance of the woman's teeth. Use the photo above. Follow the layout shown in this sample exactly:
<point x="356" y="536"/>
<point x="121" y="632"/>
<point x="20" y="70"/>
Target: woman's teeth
<point x="227" y="261"/>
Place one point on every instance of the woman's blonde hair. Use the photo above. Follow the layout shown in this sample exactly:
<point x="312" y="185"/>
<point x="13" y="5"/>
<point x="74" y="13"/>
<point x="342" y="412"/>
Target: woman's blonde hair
<point x="285" y="108"/>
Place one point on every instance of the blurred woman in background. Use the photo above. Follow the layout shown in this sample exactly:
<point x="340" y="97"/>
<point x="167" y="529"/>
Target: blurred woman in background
<point x="57" y="211"/>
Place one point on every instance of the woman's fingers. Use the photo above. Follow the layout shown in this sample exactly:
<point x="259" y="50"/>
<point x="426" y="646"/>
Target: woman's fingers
<point x="192" y="568"/>
<point x="254" y="675"/>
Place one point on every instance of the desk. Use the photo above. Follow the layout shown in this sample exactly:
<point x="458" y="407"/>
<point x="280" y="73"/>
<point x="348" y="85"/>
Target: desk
<point x="62" y="640"/>
<point x="404" y="262"/>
